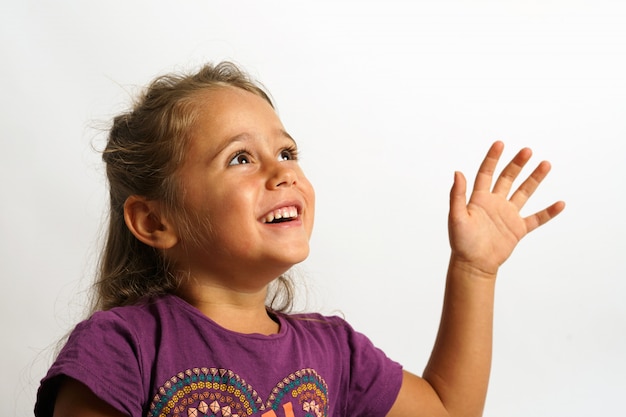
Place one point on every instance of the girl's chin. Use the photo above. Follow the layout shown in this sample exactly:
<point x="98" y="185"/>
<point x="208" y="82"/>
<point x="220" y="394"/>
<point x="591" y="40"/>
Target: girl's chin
<point x="294" y="259"/>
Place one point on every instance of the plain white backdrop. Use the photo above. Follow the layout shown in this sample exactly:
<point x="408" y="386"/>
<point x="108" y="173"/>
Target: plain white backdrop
<point x="386" y="99"/>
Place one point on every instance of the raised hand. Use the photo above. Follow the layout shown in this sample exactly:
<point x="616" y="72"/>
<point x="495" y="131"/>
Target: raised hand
<point x="484" y="232"/>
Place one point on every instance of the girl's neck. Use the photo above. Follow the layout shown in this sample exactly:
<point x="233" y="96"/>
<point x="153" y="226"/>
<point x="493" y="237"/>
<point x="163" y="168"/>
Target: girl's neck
<point x="235" y="311"/>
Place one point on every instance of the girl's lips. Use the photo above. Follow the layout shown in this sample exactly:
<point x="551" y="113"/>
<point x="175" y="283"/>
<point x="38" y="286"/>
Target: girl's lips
<point x="281" y="214"/>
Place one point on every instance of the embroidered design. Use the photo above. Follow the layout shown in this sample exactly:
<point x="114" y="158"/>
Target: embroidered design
<point x="213" y="392"/>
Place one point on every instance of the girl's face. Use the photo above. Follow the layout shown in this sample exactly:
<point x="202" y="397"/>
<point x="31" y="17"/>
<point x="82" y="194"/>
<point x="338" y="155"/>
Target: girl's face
<point x="244" y="192"/>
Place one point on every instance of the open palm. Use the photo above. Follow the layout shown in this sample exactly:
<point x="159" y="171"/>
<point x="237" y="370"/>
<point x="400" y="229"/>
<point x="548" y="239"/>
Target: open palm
<point x="485" y="231"/>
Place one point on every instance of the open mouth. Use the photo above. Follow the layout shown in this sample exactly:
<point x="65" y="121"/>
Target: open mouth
<point x="281" y="215"/>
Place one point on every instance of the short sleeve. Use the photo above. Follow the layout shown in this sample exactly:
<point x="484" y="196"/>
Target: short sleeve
<point x="375" y="380"/>
<point x="103" y="354"/>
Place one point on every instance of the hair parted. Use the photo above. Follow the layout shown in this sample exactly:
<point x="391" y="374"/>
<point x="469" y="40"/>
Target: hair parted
<point x="145" y="147"/>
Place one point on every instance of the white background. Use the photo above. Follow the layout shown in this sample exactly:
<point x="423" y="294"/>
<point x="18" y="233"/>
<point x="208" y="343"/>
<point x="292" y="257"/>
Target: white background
<point x="386" y="100"/>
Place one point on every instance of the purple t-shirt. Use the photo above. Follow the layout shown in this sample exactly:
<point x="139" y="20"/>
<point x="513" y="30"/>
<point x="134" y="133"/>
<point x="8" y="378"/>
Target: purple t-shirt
<point x="165" y="358"/>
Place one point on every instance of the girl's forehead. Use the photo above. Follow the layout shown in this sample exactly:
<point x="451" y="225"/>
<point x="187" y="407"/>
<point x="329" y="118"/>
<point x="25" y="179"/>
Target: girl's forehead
<point x="228" y="104"/>
<point x="226" y="112"/>
<point x="225" y="94"/>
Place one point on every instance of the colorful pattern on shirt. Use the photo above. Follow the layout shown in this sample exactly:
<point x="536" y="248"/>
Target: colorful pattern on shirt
<point x="213" y="392"/>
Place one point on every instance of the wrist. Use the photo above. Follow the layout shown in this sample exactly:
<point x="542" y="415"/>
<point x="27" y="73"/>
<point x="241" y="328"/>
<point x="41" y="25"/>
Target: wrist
<point x="473" y="269"/>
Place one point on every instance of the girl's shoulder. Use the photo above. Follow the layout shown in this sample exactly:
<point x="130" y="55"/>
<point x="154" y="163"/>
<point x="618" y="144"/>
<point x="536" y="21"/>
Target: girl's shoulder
<point x="315" y="319"/>
<point x="141" y="319"/>
<point x="146" y="309"/>
<point x="316" y="323"/>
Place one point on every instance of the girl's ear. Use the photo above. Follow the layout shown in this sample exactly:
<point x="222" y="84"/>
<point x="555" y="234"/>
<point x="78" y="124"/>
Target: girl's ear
<point x="145" y="220"/>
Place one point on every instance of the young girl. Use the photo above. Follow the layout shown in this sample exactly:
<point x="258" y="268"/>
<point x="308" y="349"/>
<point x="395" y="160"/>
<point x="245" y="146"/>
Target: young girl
<point x="209" y="210"/>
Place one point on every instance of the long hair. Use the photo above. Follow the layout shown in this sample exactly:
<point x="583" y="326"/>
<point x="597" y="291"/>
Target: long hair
<point x="145" y="147"/>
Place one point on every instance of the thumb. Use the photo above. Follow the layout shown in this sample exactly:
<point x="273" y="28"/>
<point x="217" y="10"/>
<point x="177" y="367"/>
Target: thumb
<point x="458" y="201"/>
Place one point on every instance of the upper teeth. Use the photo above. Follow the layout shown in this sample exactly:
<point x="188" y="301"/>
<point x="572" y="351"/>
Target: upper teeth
<point x="281" y="213"/>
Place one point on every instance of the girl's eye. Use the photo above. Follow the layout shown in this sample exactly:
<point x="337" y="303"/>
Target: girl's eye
<point x="240" y="159"/>
<point x="290" y="154"/>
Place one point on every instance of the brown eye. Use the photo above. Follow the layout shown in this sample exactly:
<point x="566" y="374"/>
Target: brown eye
<point x="240" y="159"/>
<point x="290" y="154"/>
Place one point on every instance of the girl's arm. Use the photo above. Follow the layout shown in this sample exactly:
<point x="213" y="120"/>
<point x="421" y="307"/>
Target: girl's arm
<point x="76" y="400"/>
<point x="483" y="233"/>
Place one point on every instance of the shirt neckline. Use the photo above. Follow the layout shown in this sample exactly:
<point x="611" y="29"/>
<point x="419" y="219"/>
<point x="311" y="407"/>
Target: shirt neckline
<point x="283" y="324"/>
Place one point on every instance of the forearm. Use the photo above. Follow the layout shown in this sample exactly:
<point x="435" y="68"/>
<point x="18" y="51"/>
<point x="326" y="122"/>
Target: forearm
<point x="459" y="366"/>
<point x="483" y="233"/>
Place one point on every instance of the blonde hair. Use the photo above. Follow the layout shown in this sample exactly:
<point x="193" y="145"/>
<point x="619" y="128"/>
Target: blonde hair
<point x="145" y="147"/>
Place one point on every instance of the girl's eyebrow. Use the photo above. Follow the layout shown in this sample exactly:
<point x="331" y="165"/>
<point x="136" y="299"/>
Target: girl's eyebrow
<point x="214" y="153"/>
<point x="245" y="137"/>
<point x="288" y="136"/>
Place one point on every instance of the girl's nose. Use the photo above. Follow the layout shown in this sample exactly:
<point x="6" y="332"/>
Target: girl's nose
<point x="282" y="176"/>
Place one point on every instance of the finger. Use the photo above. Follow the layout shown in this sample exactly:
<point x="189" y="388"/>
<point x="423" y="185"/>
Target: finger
<point x="528" y="187"/>
<point x="510" y="172"/>
<point x="488" y="167"/>
<point x="542" y="217"/>
<point x="458" y="200"/>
